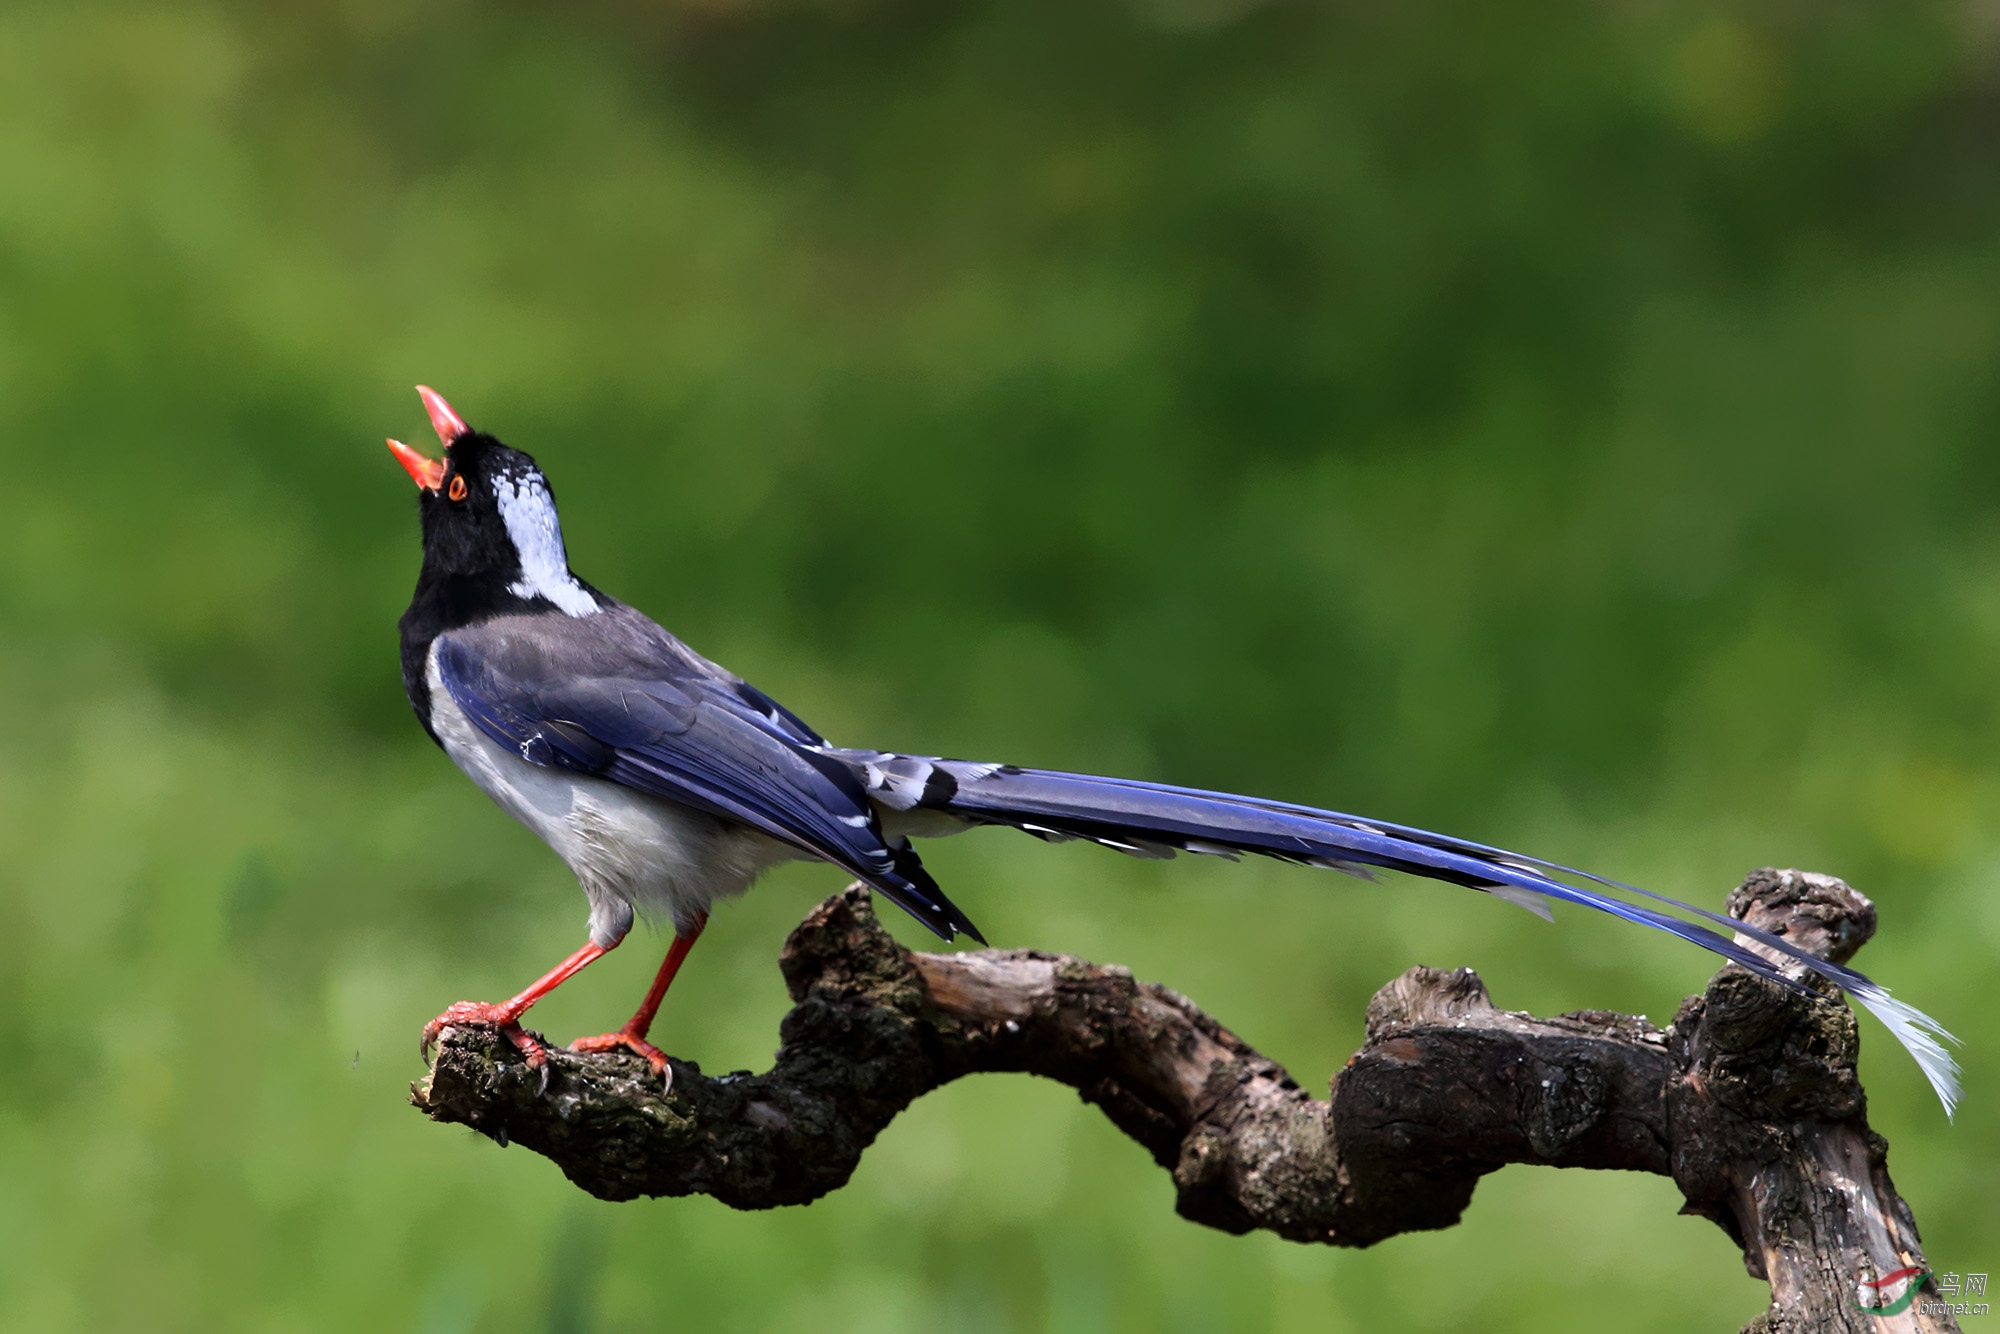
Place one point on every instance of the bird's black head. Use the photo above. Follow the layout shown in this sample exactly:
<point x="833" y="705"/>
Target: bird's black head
<point x="492" y="541"/>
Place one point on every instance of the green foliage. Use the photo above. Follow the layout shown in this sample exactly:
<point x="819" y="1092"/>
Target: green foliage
<point x="1569" y="425"/>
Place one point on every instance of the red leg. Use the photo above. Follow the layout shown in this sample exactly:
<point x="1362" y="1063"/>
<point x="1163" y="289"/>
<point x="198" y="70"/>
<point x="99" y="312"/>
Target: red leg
<point x="507" y="1016"/>
<point x="633" y="1036"/>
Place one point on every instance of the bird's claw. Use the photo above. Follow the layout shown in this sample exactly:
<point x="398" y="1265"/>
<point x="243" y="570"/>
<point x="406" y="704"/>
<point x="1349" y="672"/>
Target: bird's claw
<point x="488" y="1016"/>
<point x="635" y="1044"/>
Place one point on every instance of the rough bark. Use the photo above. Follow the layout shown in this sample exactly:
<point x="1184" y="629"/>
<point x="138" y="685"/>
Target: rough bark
<point x="1749" y="1101"/>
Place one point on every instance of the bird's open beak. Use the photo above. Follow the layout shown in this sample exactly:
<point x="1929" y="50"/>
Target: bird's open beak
<point x="429" y="473"/>
<point x="444" y="421"/>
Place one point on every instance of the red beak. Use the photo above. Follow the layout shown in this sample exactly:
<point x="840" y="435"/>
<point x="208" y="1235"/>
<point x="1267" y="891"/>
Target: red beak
<point x="444" y="421"/>
<point x="427" y="473"/>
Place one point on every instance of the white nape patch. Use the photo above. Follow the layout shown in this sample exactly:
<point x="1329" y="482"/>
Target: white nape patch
<point x="530" y="516"/>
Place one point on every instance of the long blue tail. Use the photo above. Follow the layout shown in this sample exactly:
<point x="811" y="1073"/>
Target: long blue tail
<point x="1155" y="820"/>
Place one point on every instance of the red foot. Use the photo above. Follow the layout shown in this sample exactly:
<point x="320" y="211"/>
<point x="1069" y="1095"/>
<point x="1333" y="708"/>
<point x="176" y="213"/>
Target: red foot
<point x="631" y="1042"/>
<point x="503" y="1017"/>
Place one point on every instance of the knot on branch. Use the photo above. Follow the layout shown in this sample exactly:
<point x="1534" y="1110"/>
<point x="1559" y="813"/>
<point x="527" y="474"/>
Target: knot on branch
<point x="1770" y="1128"/>
<point x="1749" y="1100"/>
<point x="1820" y="914"/>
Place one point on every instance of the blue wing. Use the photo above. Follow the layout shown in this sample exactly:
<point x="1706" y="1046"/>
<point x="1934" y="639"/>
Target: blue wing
<point x="694" y="736"/>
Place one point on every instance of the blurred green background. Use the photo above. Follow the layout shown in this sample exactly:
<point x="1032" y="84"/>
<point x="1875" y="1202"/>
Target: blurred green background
<point x="1570" y="425"/>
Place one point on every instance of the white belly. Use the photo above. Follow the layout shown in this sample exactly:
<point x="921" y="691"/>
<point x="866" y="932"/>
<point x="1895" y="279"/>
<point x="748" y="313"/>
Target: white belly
<point x="628" y="849"/>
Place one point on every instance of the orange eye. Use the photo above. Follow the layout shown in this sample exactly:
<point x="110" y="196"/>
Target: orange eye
<point x="457" y="488"/>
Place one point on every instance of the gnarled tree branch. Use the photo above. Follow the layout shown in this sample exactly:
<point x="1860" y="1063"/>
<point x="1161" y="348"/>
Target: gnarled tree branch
<point x="1749" y="1100"/>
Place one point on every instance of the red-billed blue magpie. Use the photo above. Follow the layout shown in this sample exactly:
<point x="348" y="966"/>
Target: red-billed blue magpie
<point x="666" y="782"/>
